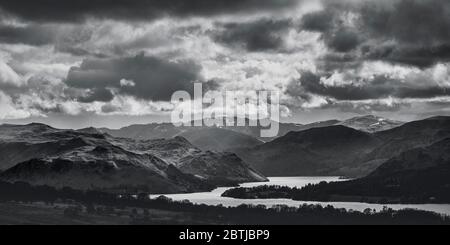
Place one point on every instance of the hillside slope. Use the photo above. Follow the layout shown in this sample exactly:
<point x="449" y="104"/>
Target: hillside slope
<point x="205" y="138"/>
<point x="420" y="175"/>
<point x="314" y="152"/>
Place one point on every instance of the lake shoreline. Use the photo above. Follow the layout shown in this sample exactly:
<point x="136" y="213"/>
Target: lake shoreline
<point x="214" y="197"/>
<point x="330" y="199"/>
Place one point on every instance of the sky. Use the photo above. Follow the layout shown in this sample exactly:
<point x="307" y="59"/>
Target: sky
<point x="115" y="63"/>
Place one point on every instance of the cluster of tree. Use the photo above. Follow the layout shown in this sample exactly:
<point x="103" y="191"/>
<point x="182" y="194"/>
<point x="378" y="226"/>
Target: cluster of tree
<point x="244" y="214"/>
<point x="361" y="190"/>
<point x="261" y="192"/>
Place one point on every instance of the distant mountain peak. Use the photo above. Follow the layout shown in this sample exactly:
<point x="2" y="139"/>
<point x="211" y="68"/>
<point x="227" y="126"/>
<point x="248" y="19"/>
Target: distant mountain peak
<point x="91" y="130"/>
<point x="368" y="117"/>
<point x="371" y="123"/>
<point x="30" y="125"/>
<point x="36" y="124"/>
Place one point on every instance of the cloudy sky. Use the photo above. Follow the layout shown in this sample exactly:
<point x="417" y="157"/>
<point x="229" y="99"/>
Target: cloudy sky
<point x="113" y="63"/>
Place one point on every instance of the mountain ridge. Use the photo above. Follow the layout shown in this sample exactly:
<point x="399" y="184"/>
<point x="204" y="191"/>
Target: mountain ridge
<point x="106" y="162"/>
<point x="316" y="151"/>
<point x="341" y="153"/>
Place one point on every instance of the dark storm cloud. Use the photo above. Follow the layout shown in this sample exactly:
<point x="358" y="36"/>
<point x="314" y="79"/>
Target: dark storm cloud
<point x="408" y="21"/>
<point x="259" y="35"/>
<point x="420" y="27"/>
<point x="70" y="11"/>
<point x="31" y="35"/>
<point x="140" y="76"/>
<point x="338" y="61"/>
<point x="64" y="38"/>
<point x="377" y="88"/>
<point x="420" y="56"/>
<point x="344" y="40"/>
<point x="321" y="21"/>
<point x="328" y="22"/>
<point x="411" y="32"/>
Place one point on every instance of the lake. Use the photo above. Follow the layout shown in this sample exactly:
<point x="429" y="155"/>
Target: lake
<point x="214" y="197"/>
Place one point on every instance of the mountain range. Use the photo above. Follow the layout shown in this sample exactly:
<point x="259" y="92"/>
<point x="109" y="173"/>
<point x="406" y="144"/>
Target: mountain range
<point x="340" y="150"/>
<point x="89" y="159"/>
<point x="167" y="162"/>
<point x="206" y="138"/>
<point x="231" y="138"/>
